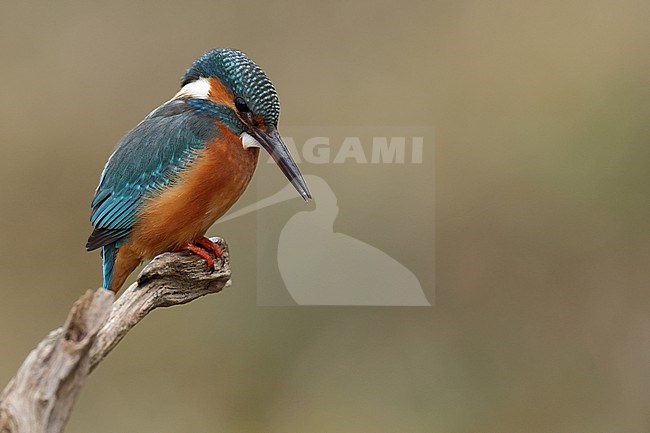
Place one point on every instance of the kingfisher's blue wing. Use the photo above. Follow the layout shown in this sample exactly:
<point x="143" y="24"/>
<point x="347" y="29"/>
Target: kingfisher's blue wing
<point x="145" y="161"/>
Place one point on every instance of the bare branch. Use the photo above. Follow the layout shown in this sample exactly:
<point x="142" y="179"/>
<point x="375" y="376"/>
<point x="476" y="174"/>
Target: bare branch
<point x="41" y="396"/>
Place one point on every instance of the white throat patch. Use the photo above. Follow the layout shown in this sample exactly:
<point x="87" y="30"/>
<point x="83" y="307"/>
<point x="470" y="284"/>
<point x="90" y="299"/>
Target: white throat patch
<point x="248" y="140"/>
<point x="198" y="89"/>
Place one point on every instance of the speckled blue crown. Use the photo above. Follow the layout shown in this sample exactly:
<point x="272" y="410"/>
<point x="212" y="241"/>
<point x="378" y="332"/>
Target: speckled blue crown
<point x="242" y="76"/>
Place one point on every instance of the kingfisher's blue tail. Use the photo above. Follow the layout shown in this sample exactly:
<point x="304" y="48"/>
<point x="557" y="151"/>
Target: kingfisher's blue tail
<point x="109" y="254"/>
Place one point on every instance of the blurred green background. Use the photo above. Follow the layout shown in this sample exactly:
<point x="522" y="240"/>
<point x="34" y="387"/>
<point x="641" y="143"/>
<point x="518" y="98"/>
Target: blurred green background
<point x="541" y="322"/>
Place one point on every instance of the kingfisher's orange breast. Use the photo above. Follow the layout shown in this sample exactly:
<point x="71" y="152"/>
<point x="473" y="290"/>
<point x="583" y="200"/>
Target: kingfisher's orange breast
<point x="203" y="192"/>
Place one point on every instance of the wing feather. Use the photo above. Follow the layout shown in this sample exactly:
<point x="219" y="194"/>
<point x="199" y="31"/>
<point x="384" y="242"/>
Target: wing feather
<point x="145" y="161"/>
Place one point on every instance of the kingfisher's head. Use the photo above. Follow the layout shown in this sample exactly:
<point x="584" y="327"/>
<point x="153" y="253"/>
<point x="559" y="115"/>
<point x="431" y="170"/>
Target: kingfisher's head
<point x="244" y="100"/>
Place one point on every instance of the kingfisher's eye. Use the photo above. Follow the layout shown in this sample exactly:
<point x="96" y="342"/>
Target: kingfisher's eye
<point x="240" y="105"/>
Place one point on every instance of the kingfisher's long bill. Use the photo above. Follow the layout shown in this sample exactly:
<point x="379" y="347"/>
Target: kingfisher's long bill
<point x="273" y="144"/>
<point x="180" y="169"/>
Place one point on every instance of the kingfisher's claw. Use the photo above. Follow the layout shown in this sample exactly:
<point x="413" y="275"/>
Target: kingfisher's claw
<point x="209" y="261"/>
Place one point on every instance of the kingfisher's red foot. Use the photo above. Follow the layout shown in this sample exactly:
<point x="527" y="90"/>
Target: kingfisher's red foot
<point x="210" y="246"/>
<point x="198" y="251"/>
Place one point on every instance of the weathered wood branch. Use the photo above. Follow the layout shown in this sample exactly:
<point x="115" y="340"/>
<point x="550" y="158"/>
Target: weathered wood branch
<point x="41" y="395"/>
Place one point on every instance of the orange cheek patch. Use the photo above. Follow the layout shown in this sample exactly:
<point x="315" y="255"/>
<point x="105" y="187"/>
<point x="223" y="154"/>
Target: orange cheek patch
<point x="220" y="94"/>
<point x="258" y="121"/>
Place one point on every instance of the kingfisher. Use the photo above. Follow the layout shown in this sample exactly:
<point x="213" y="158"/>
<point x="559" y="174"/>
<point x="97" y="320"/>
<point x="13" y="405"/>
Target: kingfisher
<point x="186" y="163"/>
